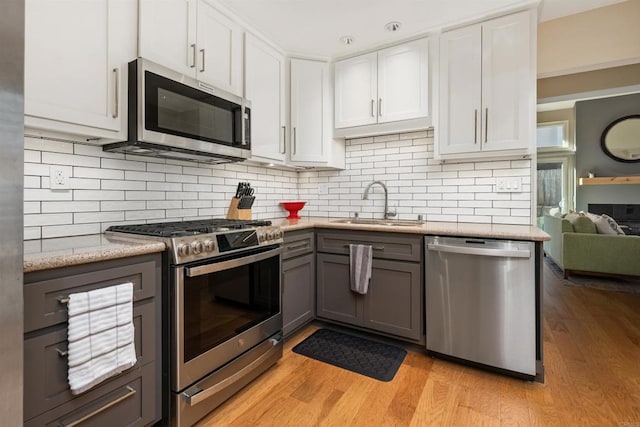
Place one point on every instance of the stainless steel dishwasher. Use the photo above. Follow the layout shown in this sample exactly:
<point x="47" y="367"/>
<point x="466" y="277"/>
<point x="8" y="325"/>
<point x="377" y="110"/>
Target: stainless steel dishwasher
<point x="480" y="301"/>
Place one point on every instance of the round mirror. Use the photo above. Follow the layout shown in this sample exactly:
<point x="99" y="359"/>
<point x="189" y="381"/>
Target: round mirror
<point x="621" y="139"/>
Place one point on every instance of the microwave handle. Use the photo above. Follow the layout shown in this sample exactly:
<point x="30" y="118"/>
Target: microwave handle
<point x="232" y="263"/>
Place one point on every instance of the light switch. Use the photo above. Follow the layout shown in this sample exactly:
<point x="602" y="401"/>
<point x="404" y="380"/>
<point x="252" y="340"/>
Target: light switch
<point x="509" y="184"/>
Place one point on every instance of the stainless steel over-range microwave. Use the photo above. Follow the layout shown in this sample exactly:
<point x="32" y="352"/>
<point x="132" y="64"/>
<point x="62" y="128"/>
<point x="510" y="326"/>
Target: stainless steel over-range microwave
<point x="175" y="116"/>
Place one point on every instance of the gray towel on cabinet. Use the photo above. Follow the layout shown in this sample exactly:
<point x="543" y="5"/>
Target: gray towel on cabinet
<point x="360" y="267"/>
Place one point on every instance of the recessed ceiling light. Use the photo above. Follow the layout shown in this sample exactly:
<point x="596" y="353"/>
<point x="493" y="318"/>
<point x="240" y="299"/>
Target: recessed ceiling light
<point x="347" y="40"/>
<point x="392" y="26"/>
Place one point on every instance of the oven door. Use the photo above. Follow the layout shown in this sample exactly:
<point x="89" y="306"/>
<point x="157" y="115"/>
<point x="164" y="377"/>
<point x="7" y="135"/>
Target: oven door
<point x="223" y="309"/>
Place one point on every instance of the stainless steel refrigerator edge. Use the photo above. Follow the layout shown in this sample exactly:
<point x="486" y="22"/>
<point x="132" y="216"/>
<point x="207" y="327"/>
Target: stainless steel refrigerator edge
<point x="11" y="209"/>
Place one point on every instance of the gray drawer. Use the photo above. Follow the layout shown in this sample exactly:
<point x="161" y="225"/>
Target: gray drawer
<point x="402" y="247"/>
<point x="129" y="400"/>
<point x="45" y="370"/>
<point x="43" y="291"/>
<point x="298" y="243"/>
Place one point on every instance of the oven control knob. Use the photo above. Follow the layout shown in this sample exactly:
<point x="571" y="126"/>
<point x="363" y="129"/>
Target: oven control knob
<point x="279" y="234"/>
<point x="209" y="246"/>
<point x="184" y="250"/>
<point x="197" y="247"/>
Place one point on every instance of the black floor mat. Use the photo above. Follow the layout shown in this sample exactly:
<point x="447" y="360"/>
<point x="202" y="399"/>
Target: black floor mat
<point x="366" y="357"/>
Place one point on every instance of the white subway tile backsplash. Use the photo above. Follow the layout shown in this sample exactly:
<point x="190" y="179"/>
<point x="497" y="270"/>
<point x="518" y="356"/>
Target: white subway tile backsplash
<point x="98" y="195"/>
<point x="55" y="207"/>
<point x="111" y="188"/>
<point x="70" y="230"/>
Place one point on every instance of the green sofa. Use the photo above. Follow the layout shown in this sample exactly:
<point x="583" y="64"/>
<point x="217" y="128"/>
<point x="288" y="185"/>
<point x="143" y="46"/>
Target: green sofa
<point x="575" y="247"/>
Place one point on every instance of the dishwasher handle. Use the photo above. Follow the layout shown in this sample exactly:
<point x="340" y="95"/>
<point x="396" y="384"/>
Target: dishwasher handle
<point x="469" y="250"/>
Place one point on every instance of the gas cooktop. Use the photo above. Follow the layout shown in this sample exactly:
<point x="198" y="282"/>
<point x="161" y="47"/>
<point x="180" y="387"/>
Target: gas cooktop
<point x="202" y="239"/>
<point x="188" y="228"/>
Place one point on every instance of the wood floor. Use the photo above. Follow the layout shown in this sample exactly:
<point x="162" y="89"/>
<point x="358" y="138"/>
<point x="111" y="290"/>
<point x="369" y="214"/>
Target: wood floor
<point x="592" y="368"/>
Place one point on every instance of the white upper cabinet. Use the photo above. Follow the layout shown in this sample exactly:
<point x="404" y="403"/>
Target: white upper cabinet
<point x="311" y="143"/>
<point x="193" y="38"/>
<point x="264" y="87"/>
<point x="219" y="46"/>
<point x="383" y="87"/>
<point x="356" y="91"/>
<point x="308" y="83"/>
<point x="168" y="33"/>
<point x="403" y="82"/>
<point x="487" y="89"/>
<point x="76" y="53"/>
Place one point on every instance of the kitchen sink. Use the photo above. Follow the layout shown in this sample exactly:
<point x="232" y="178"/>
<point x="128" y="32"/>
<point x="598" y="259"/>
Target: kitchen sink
<point x="387" y="222"/>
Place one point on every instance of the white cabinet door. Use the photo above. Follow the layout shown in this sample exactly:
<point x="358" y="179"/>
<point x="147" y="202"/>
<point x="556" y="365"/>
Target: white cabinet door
<point x="460" y="90"/>
<point x="264" y="87"/>
<point x="506" y="86"/>
<point x="219" y="45"/>
<point x="76" y="54"/>
<point x="487" y="89"/>
<point x="356" y="91"/>
<point x="403" y="82"/>
<point x="167" y="33"/>
<point x="308" y="80"/>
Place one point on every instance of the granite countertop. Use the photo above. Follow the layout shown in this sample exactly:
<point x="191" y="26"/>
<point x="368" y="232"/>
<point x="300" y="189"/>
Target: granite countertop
<point x="498" y="231"/>
<point x="66" y="251"/>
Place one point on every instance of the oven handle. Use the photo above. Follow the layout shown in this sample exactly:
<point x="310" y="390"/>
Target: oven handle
<point x="201" y="395"/>
<point x="232" y="263"/>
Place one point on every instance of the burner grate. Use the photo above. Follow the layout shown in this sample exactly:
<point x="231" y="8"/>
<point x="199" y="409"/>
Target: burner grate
<point x="187" y="228"/>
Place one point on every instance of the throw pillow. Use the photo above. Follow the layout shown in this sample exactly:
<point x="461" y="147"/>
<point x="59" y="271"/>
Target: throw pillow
<point x="607" y="225"/>
<point x="582" y="223"/>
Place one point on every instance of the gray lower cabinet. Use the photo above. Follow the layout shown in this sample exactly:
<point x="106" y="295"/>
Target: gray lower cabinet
<point x="393" y="303"/>
<point x="298" y="280"/>
<point x="130" y="398"/>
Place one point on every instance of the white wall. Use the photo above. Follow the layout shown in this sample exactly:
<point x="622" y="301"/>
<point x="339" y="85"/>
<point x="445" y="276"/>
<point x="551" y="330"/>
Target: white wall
<point x="417" y="184"/>
<point x="109" y="188"/>
<point x="598" y="38"/>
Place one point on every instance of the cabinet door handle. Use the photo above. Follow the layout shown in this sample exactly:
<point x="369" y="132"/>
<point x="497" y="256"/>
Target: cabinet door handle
<point x="372" y="105"/>
<point x="62" y="353"/>
<point x="475" y="126"/>
<point x="284" y="140"/>
<point x="63" y="300"/>
<point x="298" y="246"/>
<point x="295" y="141"/>
<point x="486" y="124"/>
<point x="193" y="56"/>
<point x="379" y="107"/>
<point x="202" y="68"/>
<point x="130" y="392"/>
<point x="116" y="90"/>
<point x="375" y="248"/>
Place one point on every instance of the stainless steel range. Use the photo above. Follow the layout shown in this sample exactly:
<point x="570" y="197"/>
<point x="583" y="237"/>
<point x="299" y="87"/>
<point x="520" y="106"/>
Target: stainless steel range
<point x="222" y="308"/>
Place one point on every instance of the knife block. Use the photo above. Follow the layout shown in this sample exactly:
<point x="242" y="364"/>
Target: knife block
<point x="235" y="213"/>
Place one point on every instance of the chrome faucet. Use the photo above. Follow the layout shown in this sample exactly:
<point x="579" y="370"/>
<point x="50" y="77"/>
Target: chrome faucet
<point x="387" y="214"/>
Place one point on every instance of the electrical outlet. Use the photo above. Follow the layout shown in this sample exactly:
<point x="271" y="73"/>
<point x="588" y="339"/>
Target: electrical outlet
<point x="323" y="188"/>
<point x="509" y="185"/>
<point x="59" y="177"/>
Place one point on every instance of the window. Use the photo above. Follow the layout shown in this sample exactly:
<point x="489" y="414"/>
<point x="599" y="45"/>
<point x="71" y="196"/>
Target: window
<point x="552" y="135"/>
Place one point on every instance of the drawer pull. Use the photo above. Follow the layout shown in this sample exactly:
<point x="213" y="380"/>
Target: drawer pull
<point x="62" y="353"/>
<point x="114" y="402"/>
<point x="63" y="300"/>
<point x="375" y="248"/>
<point x="298" y="246"/>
